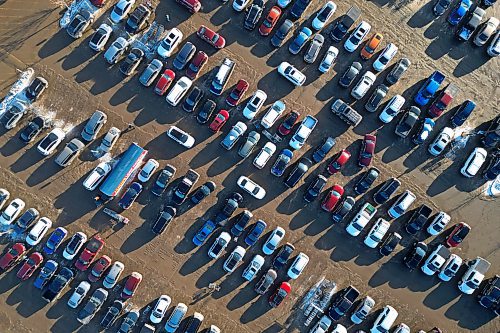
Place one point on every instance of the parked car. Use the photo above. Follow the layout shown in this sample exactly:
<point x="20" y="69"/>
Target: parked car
<point x="32" y="129"/>
<point x="300" y="40"/>
<point x="298" y="265"/>
<point x="29" y="266"/>
<point x="367" y="150"/>
<point x="181" y="137"/>
<point x="160" y="308"/>
<point x="364" y="84"/>
<point x="197" y="64"/>
<point x="100" y="266"/>
<point x="385" y="320"/>
<point x="241" y="223"/>
<point x="458" y="234"/>
<point x="14" y="114"/>
<point x="272" y="114"/>
<point x="38" y="231"/>
<point x="131" y="318"/>
<point x="283" y="256"/>
<point x="132" y="61"/>
<point x="418" y="219"/>
<point x="315" y="188"/>
<point x="234" y="135"/>
<point x="193" y="6"/>
<point x="151" y="72"/>
<point x="163" y="179"/>
<point x="80" y="22"/>
<point x="292" y="74"/>
<point x="54" y="241"/>
<point x="219" y="245"/>
<point x="441" y="6"/>
<point x="249" y="145"/>
<point x="450" y="268"/>
<point x="251" y="187"/>
<point x="74" y="245"/>
<point x="264" y="155"/>
<point x="131" y="285"/>
<point x="402" y="204"/>
<point x="192" y="99"/>
<point x="343" y="302"/>
<point x="70" y="152"/>
<point x="240" y="5"/>
<point x="129" y="197"/>
<point x="282" y="33"/>
<point x="211" y="37"/>
<point x="298" y="8"/>
<point x="50" y="142"/>
<point x="12" y="256"/>
<point x="298" y="172"/>
<point x="79" y="294"/>
<point x="493" y="49"/>
<point x="342" y="209"/>
<point x="323" y="15"/>
<point x="164" y="82"/>
<point x="138" y="19"/>
<point x="254" y="104"/>
<point x="112" y="314"/>
<point x="97" y="176"/>
<point x="91" y="250"/>
<point x="390" y="243"/>
<point x="175" y="319"/>
<point x="438" y="224"/>
<point x="92" y="306"/>
<point x="11" y="212"/>
<point x="385" y="192"/>
<point x="407" y="122"/>
<point x="237" y="93"/>
<point x="113" y="275"/>
<point x="265" y="282"/>
<point x="281" y="162"/>
<point x="338" y="162"/>
<point x="203" y="191"/>
<point x="459" y="11"/>
<point x="332" y="198"/>
<point x="253" y="14"/>
<point x="392" y="109"/>
<point x="474" y="162"/>
<point x="357" y="36"/>
<point x="253" y="267"/>
<point x="385" y="57"/>
<point x="204" y="232"/>
<point x="342" y="26"/>
<point x="371" y="45"/>
<point x="314" y="48"/>
<point x="377" y="233"/>
<point x="36" y="88"/>
<point x="415" y="255"/>
<point x="121" y="10"/>
<point x="272" y="242"/>
<point x="280" y="294"/>
<point x="328" y="59"/>
<point x="257" y="230"/>
<point x="170" y="43"/>
<point x="205" y="112"/>
<point x="163" y="220"/>
<point x="397" y="71"/>
<point x="234" y="259"/>
<point x="424" y="131"/>
<point x="492" y="170"/>
<point x="488" y="29"/>
<point x="270" y="21"/>
<point x="366" y="181"/>
<point x="436" y="260"/>
<point x="363" y="310"/>
<point x="232" y="202"/>
<point x="350" y="74"/>
<point x="441" y="141"/>
<point x="116" y="50"/>
<point x="462" y="113"/>
<point x="376" y="98"/>
<point x="288" y="123"/>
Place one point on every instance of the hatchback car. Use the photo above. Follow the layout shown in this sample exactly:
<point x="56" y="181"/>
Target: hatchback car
<point x="281" y="162"/>
<point x="298" y="265"/>
<point x="70" y="152"/>
<point x="164" y="82"/>
<point x="202" y="192"/>
<point x="253" y="267"/>
<point x="458" y="234"/>
<point x="254" y="233"/>
<point x="315" y="188"/>
<point x="392" y="109"/>
<point x="280" y="294"/>
<point x="178" y="91"/>
<point x="234" y="259"/>
<point x="386" y="191"/>
<point x="350" y="74"/>
<point x="357" y="36"/>
<point x="55" y="240"/>
<point x="264" y="155"/>
<point x="332" y="198"/>
<point x="474" y="162"/>
<point x="376" y="98"/>
<point x="147" y="170"/>
<point x="338" y="162"/>
<point x="129" y="197"/>
<point x="397" y="71"/>
<point x="462" y="113"/>
<point x="163" y="220"/>
<point x="160" y="308"/>
<point x="151" y="72"/>
<point x="323" y="149"/>
<point x="29" y="266"/>
<point x="270" y="21"/>
<point x="237" y="93"/>
<point x="196" y="66"/>
<point x="254" y="104"/>
<point x="50" y="142"/>
<point x="300" y="40"/>
<point x="314" y="49"/>
<point x="342" y="209"/>
<point x="170" y="43"/>
<point x="131" y="285"/>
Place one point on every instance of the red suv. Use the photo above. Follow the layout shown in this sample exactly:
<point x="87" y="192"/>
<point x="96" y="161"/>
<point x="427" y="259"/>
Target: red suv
<point x="196" y="65"/>
<point x="12" y="256"/>
<point x="237" y="93"/>
<point x="30" y="265"/>
<point x="290" y="120"/>
<point x="99" y="268"/>
<point x="219" y="120"/>
<point x="93" y="247"/>
<point x="338" y="162"/>
<point x="272" y="18"/>
<point x="332" y="198"/>
<point x="367" y="150"/>
<point x="211" y="37"/>
<point x="164" y="82"/>
<point x="133" y="282"/>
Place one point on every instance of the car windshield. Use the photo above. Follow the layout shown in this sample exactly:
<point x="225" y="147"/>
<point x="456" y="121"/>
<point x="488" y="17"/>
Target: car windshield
<point x="354" y="39"/>
<point x="118" y="10"/>
<point x="165" y="45"/>
<point x="384" y="60"/>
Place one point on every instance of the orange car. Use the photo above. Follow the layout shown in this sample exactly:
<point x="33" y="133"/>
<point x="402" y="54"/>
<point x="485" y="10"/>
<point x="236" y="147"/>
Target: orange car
<point x="270" y="21"/>
<point x="370" y="46"/>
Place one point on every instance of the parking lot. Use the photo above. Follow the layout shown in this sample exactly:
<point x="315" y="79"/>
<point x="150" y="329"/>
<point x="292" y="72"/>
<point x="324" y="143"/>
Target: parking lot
<point x="80" y="82"/>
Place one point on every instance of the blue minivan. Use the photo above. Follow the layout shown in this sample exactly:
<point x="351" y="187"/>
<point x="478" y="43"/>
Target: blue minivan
<point x="463" y="112"/>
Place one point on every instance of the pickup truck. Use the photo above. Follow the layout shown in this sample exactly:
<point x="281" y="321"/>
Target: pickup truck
<point x="418" y="219"/>
<point x="467" y="29"/>
<point x="474" y="275"/>
<point x="303" y="132"/>
<point x="184" y="187"/>
<point x="92" y="306"/>
<point x="443" y="100"/>
<point x="489" y="296"/>
<point x="429" y="88"/>
<point x="346" y="113"/>
<point x="343" y="302"/>
<point x="58" y="284"/>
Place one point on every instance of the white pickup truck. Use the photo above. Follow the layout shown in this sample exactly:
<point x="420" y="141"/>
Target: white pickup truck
<point x="474" y="275"/>
<point x="305" y="129"/>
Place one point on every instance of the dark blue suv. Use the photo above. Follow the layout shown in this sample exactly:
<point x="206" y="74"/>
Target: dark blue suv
<point x="255" y="233"/>
<point x="299" y="7"/>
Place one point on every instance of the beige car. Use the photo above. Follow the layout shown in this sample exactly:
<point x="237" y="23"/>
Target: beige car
<point x="488" y="29"/>
<point x="69" y="153"/>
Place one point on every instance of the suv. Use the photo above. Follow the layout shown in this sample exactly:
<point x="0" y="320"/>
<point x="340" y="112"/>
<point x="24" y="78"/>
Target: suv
<point x="265" y="282"/>
<point x="386" y="191"/>
<point x="315" y="187"/>
<point x="298" y="172"/>
<point x="232" y="203"/>
<point x="36" y="88"/>
<point x="254" y="14"/>
<point x="94" y="126"/>
<point x="254" y="233"/>
<point x="234" y="135"/>
<point x="397" y="71"/>
<point x="137" y="19"/>
<point x="234" y="259"/>
<point x="402" y="204"/>
<point x="343" y="302"/>
<point x="314" y="49"/>
<point x="489" y="295"/>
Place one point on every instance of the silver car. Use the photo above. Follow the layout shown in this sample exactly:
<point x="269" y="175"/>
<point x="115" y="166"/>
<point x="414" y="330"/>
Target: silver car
<point x="70" y="152"/>
<point x="234" y="135"/>
<point x="94" y="125"/>
<point x="116" y="50"/>
<point x="248" y="146"/>
<point x="151" y="72"/>
<point x="363" y="309"/>
<point x="314" y="48"/>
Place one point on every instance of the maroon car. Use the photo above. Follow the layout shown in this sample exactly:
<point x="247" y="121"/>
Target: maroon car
<point x="30" y="266"/>
<point x="196" y="65"/>
<point x="237" y="93"/>
<point x="460" y="231"/>
<point x="13" y="255"/>
<point x="131" y="285"/>
<point x="290" y="120"/>
<point x="332" y="198"/>
<point x="367" y="150"/>
<point x="100" y="266"/>
<point x="338" y="162"/>
<point x="164" y="82"/>
<point x="219" y="120"/>
<point x="98" y="3"/>
<point x="211" y="37"/>
<point x="93" y="247"/>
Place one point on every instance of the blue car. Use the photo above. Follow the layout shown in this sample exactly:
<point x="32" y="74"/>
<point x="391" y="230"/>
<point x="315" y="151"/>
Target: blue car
<point x="282" y="162"/>
<point x="129" y="197"/>
<point x="298" y="8"/>
<point x="424" y="131"/>
<point x="463" y="112"/>
<point x="55" y="239"/>
<point x="205" y="231"/>
<point x="254" y="234"/>
<point x="299" y="41"/>
<point x="47" y="272"/>
<point x="459" y="12"/>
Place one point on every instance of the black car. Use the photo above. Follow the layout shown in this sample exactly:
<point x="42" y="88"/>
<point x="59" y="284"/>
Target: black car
<point x="298" y="172"/>
<point x="418" y="219"/>
<point x="342" y="209"/>
<point x="137" y="19"/>
<point x="206" y="111"/>
<point x="163" y="178"/>
<point x="350" y="74"/>
<point x="415" y="255"/>
<point x="440" y="7"/>
<point x="164" y="219"/>
<point x="283" y="255"/>
<point x="390" y="243"/>
<point x="56" y="286"/>
<point x="386" y="191"/>
<point x="232" y="203"/>
<point x="323" y="149"/>
<point x="281" y="34"/>
<point x="343" y="302"/>
<point x="493" y="168"/>
<point x="113" y="312"/>
<point x="407" y="122"/>
<point x="130" y="64"/>
<point x="489" y="294"/>
<point x="299" y="7"/>
<point x="192" y="100"/>
<point x="254" y="14"/>
<point x="314" y="189"/>
<point x="376" y="98"/>
<point x="366" y="181"/>
<point x="203" y="191"/>
<point x="130" y="195"/>
<point x="397" y="72"/>
<point x="344" y="24"/>
<point x="241" y="223"/>
<point x="31" y="130"/>
<point x="26" y="220"/>
<point x="36" y="88"/>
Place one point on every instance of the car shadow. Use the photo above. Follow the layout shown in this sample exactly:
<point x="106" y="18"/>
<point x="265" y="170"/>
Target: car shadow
<point x="244" y="296"/>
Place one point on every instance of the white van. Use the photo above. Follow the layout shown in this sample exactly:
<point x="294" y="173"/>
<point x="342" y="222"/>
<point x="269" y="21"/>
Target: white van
<point x="113" y="275"/>
<point x="392" y="109"/>
<point x="361" y="219"/>
<point x="222" y="76"/>
<point x="180" y="89"/>
<point x="385" y="320"/>
<point x="38" y="231"/>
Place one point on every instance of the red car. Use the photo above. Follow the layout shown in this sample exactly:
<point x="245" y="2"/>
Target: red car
<point x="460" y="231"/>
<point x="196" y="65"/>
<point x="337" y="163"/>
<point x="164" y="82"/>
<point x="290" y="120"/>
<point x="237" y="93"/>
<point x="367" y="150"/>
<point x="272" y="18"/>
<point x="100" y="266"/>
<point x="30" y="266"/>
<point x="93" y="247"/>
<point x="12" y="256"/>
<point x="211" y="37"/>
<point x="332" y="198"/>
<point x="280" y="294"/>
<point x="133" y="282"/>
<point x="219" y="120"/>
<point x="98" y="3"/>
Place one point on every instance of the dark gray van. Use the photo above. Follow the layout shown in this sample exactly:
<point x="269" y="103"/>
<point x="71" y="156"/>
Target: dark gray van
<point x="184" y="56"/>
<point x="298" y="172"/>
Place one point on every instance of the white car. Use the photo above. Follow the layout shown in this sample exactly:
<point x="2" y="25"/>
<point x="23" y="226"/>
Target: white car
<point x="322" y="325"/>
<point x="147" y="170"/>
<point x="100" y="37"/>
<point x="79" y="294"/>
<point x="240" y="5"/>
<point x="12" y="211"/>
<point x="219" y="245"/>
<point x="181" y="137"/>
<point x="273" y="241"/>
<point x="298" y="265"/>
<point x="324" y="15"/>
<point x="474" y="162"/>
<point x="251" y="187"/>
<point x="50" y="142"/>
<point x="438" y="223"/>
<point x="253" y="267"/>
<point x="97" y="176"/>
<point x="116" y="50"/>
<point x="392" y="109"/>
<point x="178" y="91"/>
<point x="357" y="36"/>
<point x="364" y="84"/>
<point x="434" y="262"/>
<point x="361" y="219"/>
<point x="401" y="205"/>
<point x="74" y="245"/>
<point x="339" y="328"/>
<point x="494" y="48"/>
<point x="160" y="309"/>
<point x="4" y="196"/>
<point x="291" y="73"/>
<point x="441" y="141"/>
<point x="254" y="104"/>
<point x="328" y="60"/>
<point x="385" y="57"/>
<point x="121" y="10"/>
<point x="38" y="231"/>
<point x="14" y="114"/>
<point x="264" y="155"/>
<point x="234" y="259"/>
<point x="385" y="320"/>
<point x="170" y="43"/>
<point x="402" y="328"/>
<point x="274" y="112"/>
<point x="376" y="233"/>
<point x="450" y="268"/>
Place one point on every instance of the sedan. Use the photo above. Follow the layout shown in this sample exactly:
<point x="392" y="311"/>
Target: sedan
<point x="288" y="123"/>
<point x="298" y="266"/>
<point x="50" y="142"/>
<point x="121" y="10"/>
<point x="441" y="141"/>
<point x="12" y="211"/>
<point x="283" y="255"/>
<point x="12" y="256"/>
<point x="151" y="72"/>
<point x="234" y="259"/>
<point x="55" y="240"/>
<point x="164" y="218"/>
<point x="338" y="162"/>
<point x="324" y="15"/>
<point x="332" y="198"/>
<point x="116" y="50"/>
<point x="69" y="153"/>
<point x="254" y="104"/>
<point x="274" y="112"/>
<point x="202" y="192"/>
<point x="397" y="72"/>
<point x="251" y="187"/>
<point x="282" y="33"/>
<point x="46" y="273"/>
<point x="220" y="119"/>
<point x="192" y="99"/>
<point x="97" y="175"/>
<point x="36" y="88"/>
<point x="474" y="162"/>
<point x="147" y="170"/>
<point x="74" y="245"/>
<point x="80" y="23"/>
<point x="211" y="37"/>
<point x="320" y="152"/>
<point x="458" y="234"/>
<point x="79" y="294"/>
<point x="300" y="40"/>
<point x="256" y="231"/>
<point x="253" y="267"/>
<point x="131" y="285"/>
<point x="13" y="115"/>
<point x="282" y="162"/>
<point x="270" y="21"/>
<point x="364" y="84"/>
<point x="164" y="82"/>
<point x="181" y="137"/>
<point x="365" y="182"/>
<point x="367" y="150"/>
<point x="100" y="266"/>
<point x="100" y="37"/>
<point x="130" y="64"/>
<point x="160" y="308"/>
<point x="29" y="266"/>
<point x="315" y="188"/>
<point x="34" y="127"/>
<point x="350" y="74"/>
<point x="237" y="93"/>
<point x="280" y="294"/>
<point x="424" y="131"/>
<point x="376" y="98"/>
<point x="205" y="112"/>
<point x="328" y="59"/>
<point x="130" y="195"/>
<point x="219" y="245"/>
<point x="291" y="73"/>
<point x="206" y="230"/>
<point x="407" y="122"/>
<point x="196" y="65"/>
<point x="273" y="241"/>
<point x="342" y="209"/>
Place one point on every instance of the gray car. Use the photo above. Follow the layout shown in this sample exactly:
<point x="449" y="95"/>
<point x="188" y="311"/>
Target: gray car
<point x="282" y="33"/>
<point x="397" y="72"/>
<point x="151" y="72"/>
<point x="80" y="22"/>
<point x="70" y="152"/>
<point x="350" y="74"/>
<point x="234" y="135"/>
<point x="184" y="56"/>
<point x="314" y="48"/>
<point x="94" y="125"/>
<point x="265" y="282"/>
<point x="248" y="146"/>
<point x="129" y="322"/>
<point x="376" y="98"/>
